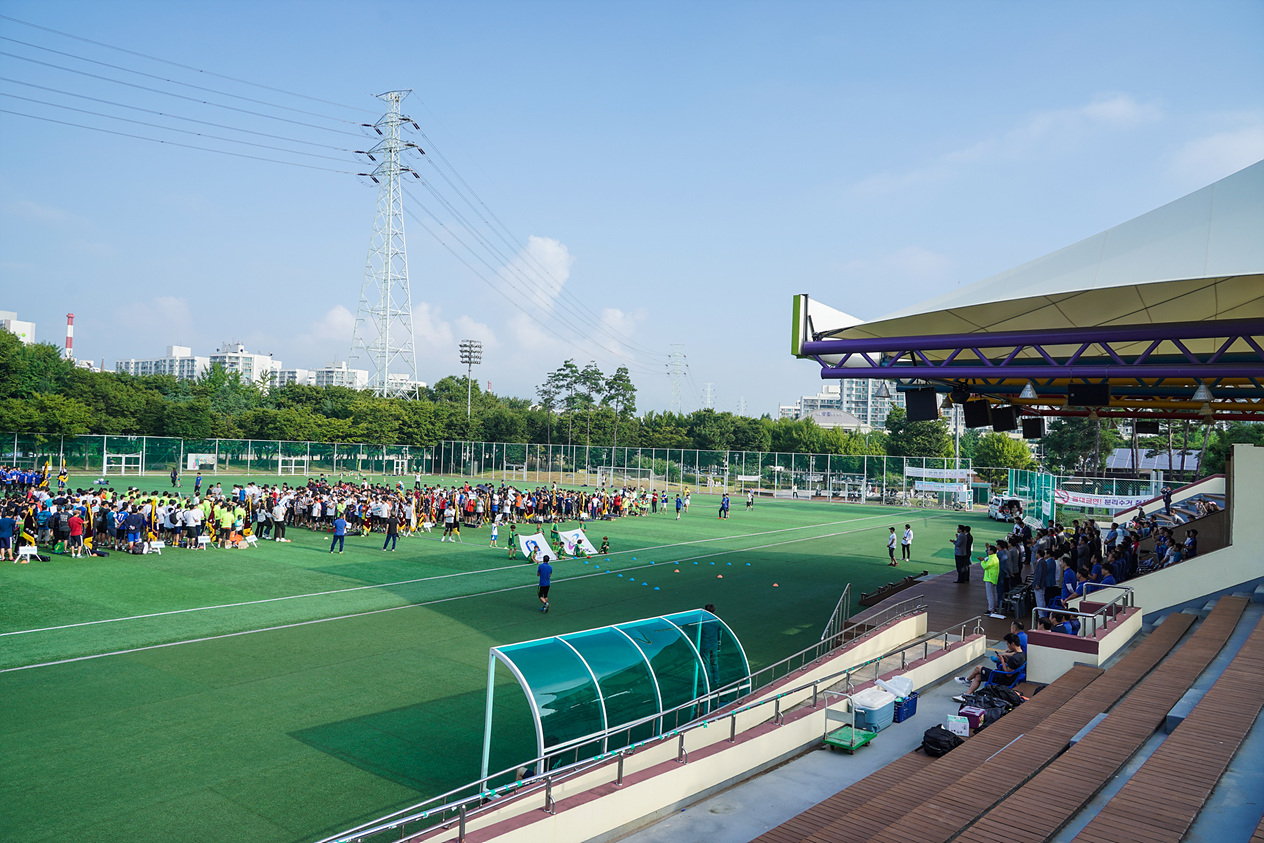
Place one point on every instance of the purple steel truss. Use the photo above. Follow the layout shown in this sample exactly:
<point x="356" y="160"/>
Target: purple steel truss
<point x="890" y="358"/>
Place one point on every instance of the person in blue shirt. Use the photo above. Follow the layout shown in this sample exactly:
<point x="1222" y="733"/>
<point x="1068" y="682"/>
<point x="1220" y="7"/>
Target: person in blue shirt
<point x="340" y="534"/>
<point x="545" y="571"/>
<point x="1020" y="631"/>
<point x="8" y="527"/>
<point x="679" y="506"/>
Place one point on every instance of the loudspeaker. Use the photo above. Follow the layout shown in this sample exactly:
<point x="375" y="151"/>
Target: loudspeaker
<point x="1004" y="419"/>
<point x="1147" y="428"/>
<point x="977" y="413"/>
<point x="1033" y="428"/>
<point x="960" y="394"/>
<point x="1088" y="394"/>
<point x="921" y="404"/>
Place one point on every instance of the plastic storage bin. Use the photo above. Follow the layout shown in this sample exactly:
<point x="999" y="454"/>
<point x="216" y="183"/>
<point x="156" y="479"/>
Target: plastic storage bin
<point x="875" y="709"/>
<point x="906" y="708"/>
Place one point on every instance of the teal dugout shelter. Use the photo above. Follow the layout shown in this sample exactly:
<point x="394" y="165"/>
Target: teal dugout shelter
<point x="584" y="686"/>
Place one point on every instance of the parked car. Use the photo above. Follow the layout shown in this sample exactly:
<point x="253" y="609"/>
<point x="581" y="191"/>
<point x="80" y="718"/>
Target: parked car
<point x="1004" y="507"/>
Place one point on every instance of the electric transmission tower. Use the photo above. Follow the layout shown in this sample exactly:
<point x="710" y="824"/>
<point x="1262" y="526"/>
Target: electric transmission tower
<point x="709" y="395"/>
<point x="676" y="365"/>
<point x="384" y="322"/>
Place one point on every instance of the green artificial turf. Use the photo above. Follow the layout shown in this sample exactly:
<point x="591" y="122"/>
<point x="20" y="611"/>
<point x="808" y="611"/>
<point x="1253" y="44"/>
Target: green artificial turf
<point x="293" y="718"/>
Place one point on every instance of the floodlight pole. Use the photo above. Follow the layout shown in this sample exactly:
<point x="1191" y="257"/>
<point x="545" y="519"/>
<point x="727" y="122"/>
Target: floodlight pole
<point x="471" y="352"/>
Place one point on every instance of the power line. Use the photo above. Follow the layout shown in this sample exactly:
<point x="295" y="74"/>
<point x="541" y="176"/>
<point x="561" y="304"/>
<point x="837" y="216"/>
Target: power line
<point x="176" y="143"/>
<point x="173" y="129"/>
<point x="185" y="66"/>
<point x="639" y="368"/>
<point x="173" y="94"/>
<point x="176" y="81"/>
<point x="175" y="116"/>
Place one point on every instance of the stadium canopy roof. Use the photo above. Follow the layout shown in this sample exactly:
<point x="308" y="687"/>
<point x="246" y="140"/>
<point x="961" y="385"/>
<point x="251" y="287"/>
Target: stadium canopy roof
<point x="1154" y="307"/>
<point x="583" y="685"/>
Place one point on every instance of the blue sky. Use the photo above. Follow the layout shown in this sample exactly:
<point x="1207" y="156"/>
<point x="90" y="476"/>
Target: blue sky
<point x="680" y="170"/>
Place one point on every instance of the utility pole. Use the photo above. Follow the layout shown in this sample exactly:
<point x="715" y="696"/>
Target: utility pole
<point x="383" y="332"/>
<point x="471" y="354"/>
<point x="676" y="366"/>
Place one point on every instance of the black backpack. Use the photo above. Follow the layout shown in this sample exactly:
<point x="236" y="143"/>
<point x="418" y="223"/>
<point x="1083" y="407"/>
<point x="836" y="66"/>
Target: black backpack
<point x="938" y="741"/>
<point x="1007" y="696"/>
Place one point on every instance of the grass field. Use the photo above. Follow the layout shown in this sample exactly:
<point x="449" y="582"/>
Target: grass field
<point x="281" y="693"/>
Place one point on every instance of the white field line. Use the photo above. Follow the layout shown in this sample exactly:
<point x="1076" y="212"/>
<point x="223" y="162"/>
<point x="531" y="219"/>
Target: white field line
<point x="392" y="584"/>
<point x="412" y="605"/>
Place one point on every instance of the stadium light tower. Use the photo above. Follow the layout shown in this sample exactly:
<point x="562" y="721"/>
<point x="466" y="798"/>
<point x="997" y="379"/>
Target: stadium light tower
<point x="384" y="322"/>
<point x="471" y="354"/>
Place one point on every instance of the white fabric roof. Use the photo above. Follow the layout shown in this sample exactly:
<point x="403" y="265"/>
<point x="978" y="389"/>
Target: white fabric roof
<point x="1200" y="258"/>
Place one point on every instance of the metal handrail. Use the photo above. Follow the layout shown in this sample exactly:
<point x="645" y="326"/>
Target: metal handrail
<point x="452" y="803"/>
<point x="842" y="610"/>
<point x="1113" y="607"/>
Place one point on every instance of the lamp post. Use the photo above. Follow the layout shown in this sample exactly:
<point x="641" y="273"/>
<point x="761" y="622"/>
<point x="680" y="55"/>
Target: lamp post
<point x="471" y="353"/>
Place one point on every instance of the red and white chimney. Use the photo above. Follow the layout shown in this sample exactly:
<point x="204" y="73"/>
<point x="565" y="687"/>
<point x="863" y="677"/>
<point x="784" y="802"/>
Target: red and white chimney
<point x="70" y="336"/>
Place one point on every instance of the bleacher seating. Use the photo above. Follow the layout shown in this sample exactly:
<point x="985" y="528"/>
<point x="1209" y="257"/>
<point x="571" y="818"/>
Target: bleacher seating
<point x="1017" y="780"/>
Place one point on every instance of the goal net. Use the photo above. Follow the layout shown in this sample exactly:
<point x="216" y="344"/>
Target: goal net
<point x="122" y="464"/>
<point x="292" y="465"/>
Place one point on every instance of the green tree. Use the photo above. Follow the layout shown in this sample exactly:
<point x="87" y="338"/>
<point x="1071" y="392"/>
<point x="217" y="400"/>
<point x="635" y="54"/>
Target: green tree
<point x="619" y="393"/>
<point x="590" y="385"/>
<point x="916" y="439"/>
<point x="997" y="452"/>
<point x="1078" y="445"/>
<point x="1222" y="442"/>
<point x="752" y="434"/>
<point x="711" y="431"/>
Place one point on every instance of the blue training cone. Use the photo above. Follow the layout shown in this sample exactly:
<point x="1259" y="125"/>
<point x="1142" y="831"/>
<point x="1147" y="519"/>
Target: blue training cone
<point x="656" y="588"/>
<point x="620" y="575"/>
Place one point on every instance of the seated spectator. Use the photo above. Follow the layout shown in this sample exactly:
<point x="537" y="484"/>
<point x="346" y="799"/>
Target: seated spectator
<point x="1174" y="554"/>
<point x="1019" y="630"/>
<point x="1008" y="664"/>
<point x="1191" y="544"/>
<point x="1063" y="624"/>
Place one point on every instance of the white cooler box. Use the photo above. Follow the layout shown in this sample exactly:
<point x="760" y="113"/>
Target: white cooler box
<point x="875" y="709"/>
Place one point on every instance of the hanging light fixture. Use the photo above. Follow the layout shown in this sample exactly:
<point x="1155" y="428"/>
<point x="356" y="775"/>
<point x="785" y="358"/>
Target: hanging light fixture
<point x="1202" y="394"/>
<point x="883" y="391"/>
<point x="946" y="404"/>
<point x="1029" y="391"/>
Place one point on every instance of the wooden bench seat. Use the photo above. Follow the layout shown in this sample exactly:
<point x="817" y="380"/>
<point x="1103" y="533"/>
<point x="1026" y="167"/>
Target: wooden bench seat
<point x="1055" y="794"/>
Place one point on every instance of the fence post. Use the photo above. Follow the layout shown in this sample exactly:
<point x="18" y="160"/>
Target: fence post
<point x="217" y="456"/>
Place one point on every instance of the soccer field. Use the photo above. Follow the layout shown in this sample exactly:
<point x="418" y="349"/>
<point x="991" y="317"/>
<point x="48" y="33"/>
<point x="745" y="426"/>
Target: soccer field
<point x="281" y="693"/>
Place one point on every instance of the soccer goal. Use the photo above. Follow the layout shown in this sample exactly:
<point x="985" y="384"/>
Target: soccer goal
<point x="635" y="477"/>
<point x="292" y="465"/>
<point x="123" y="464"/>
<point x="395" y="465"/>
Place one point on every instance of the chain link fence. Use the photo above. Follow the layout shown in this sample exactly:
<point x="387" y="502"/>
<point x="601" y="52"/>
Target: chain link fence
<point x="854" y="478"/>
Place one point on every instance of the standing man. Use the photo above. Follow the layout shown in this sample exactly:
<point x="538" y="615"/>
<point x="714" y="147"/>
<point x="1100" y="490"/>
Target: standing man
<point x="392" y="530"/>
<point x="961" y="553"/>
<point x="906" y="543"/>
<point x="197" y="485"/>
<point x="1167" y="501"/>
<point x="545" y="571"/>
<point x="8" y="529"/>
<point x="340" y="534"/>
<point x="679" y="506"/>
<point x="991" y="574"/>
<point x="175" y="477"/>
<point x="891" y="546"/>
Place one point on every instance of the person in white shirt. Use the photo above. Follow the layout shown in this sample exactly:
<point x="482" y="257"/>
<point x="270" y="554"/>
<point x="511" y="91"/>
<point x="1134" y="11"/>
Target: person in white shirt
<point x="906" y="543"/>
<point x="891" y="546"/>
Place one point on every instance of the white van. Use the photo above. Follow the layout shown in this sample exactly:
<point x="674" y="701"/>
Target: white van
<point x="1008" y="503"/>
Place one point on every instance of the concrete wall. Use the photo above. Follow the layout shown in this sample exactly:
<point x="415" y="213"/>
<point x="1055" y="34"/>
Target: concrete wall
<point x="1051" y="654"/>
<point x="1220" y="571"/>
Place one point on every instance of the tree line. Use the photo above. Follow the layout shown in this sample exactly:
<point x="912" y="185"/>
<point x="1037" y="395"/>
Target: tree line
<point x="40" y="392"/>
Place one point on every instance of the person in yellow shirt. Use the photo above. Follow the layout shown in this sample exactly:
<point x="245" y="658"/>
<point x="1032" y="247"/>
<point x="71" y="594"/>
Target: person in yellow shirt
<point x="991" y="564"/>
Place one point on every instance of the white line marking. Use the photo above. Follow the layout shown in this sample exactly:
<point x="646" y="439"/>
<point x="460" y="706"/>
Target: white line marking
<point x="392" y="584"/>
<point x="406" y="606"/>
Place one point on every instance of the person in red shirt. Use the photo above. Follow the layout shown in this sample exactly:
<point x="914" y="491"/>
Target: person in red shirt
<point x="76" y="534"/>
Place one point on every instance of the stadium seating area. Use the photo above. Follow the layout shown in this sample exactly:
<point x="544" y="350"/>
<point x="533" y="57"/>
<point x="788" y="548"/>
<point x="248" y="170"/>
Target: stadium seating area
<point x="1017" y="780"/>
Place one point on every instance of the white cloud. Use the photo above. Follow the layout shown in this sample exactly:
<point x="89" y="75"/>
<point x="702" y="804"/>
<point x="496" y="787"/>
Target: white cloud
<point x="1041" y="134"/>
<point x="1212" y="157"/>
<point x="334" y="327"/>
<point x="542" y="268"/>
